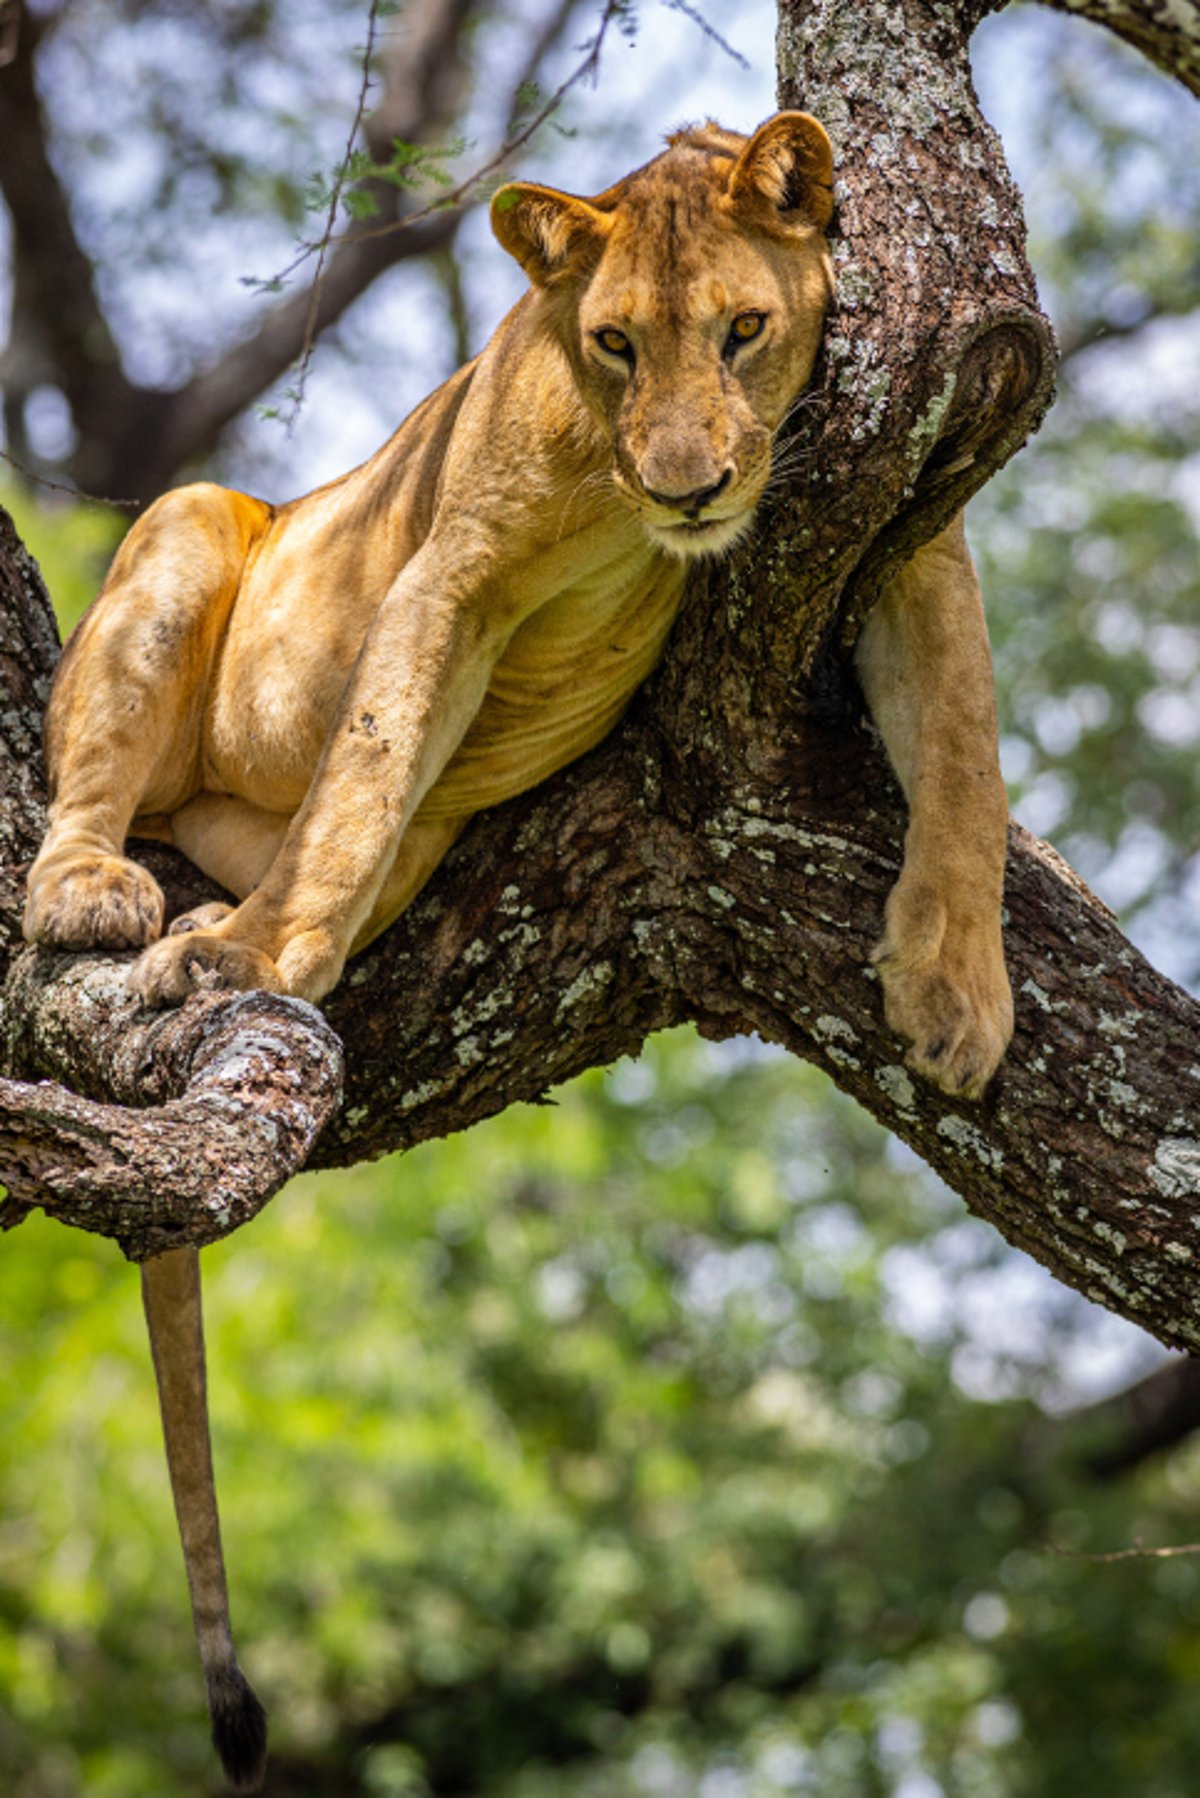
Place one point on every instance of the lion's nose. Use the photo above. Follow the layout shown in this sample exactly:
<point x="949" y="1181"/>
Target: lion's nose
<point x="693" y="501"/>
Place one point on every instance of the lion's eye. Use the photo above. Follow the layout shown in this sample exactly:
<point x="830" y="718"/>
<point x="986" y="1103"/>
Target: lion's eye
<point x="745" y="328"/>
<point x="614" y="341"/>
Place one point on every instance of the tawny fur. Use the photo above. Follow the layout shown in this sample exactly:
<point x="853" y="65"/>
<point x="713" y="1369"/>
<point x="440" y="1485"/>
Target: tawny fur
<point x="312" y="700"/>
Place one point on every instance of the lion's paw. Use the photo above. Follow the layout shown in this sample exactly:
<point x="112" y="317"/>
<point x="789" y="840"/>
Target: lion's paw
<point x="93" y="902"/>
<point x="946" y="992"/>
<point x="173" y="969"/>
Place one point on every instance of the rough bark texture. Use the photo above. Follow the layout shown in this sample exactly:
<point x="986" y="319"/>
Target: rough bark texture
<point x="240" y="1092"/>
<point x="724" y="857"/>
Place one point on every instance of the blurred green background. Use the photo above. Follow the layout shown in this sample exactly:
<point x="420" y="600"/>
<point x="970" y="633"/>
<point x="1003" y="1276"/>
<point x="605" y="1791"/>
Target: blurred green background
<point x="685" y="1436"/>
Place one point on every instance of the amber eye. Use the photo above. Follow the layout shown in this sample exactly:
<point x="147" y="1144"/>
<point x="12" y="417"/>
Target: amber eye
<point x="745" y="327"/>
<point x="614" y="341"/>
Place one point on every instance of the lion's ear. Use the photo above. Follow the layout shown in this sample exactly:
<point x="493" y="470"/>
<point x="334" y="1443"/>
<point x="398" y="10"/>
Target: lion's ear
<point x="787" y="166"/>
<point x="551" y="234"/>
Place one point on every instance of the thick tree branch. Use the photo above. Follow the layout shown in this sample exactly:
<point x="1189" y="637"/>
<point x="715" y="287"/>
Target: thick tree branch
<point x="212" y="1109"/>
<point x="1165" y="31"/>
<point x="628" y="896"/>
<point x="58" y="332"/>
<point x="1146" y="1419"/>
<point x="28" y="651"/>
<point x="937" y="358"/>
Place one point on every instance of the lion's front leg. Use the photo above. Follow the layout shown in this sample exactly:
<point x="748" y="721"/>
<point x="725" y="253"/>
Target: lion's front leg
<point x="349" y="860"/>
<point x="194" y="958"/>
<point x="925" y="667"/>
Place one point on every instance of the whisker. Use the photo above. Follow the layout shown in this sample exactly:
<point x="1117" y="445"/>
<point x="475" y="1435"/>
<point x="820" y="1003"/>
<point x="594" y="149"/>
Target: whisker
<point x="786" y="466"/>
<point x="597" y="477"/>
<point x="800" y="404"/>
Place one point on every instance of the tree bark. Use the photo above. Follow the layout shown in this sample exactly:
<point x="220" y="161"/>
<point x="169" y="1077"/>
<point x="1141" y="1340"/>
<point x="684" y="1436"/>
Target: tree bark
<point x="725" y="855"/>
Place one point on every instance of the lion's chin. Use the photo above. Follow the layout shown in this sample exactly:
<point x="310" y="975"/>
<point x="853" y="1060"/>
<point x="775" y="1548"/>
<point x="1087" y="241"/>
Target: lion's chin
<point x="692" y="539"/>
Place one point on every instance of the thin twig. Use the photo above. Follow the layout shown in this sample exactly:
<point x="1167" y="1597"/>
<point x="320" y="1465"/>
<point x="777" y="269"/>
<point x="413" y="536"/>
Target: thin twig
<point x="335" y="196"/>
<point x="1137" y="1553"/>
<point x="450" y="275"/>
<point x="91" y="499"/>
<point x="710" y="31"/>
<point x="552" y="29"/>
<point x="455" y="196"/>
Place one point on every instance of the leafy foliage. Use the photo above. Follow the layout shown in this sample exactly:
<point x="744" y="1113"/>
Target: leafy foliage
<point x="617" y="1467"/>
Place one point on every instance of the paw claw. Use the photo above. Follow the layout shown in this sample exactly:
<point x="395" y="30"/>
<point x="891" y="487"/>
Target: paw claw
<point x="174" y="968"/>
<point x="957" y="1005"/>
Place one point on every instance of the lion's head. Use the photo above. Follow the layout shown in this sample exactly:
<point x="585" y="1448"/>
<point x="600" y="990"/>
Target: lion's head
<point x="689" y="299"/>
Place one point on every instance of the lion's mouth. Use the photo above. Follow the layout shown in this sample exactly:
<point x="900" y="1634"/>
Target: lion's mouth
<point x="699" y="536"/>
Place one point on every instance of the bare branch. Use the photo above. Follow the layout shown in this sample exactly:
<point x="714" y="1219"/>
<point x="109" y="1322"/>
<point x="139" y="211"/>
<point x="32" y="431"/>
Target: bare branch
<point x="547" y="38"/>
<point x="424" y="78"/>
<point x="58" y="331"/>
<point x="1146" y="1419"/>
<point x="470" y="187"/>
<point x="449" y="272"/>
<point x="423" y="87"/>
<point x="335" y="200"/>
<point x="1097" y="333"/>
<point x="1137" y="1553"/>
<point x="1168" y="35"/>
<point x="134" y="440"/>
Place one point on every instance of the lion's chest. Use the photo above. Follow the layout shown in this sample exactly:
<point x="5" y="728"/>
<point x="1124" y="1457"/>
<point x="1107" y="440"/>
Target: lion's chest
<point x="560" y="686"/>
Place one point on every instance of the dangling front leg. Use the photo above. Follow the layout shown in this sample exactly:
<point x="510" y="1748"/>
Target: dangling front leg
<point x="926" y="671"/>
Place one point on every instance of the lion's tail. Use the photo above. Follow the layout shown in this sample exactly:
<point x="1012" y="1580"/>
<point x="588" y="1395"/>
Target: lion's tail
<point x="171" y="1296"/>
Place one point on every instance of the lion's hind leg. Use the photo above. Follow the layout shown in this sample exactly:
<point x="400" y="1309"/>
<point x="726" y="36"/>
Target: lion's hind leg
<point x="123" y="723"/>
<point x="235" y="842"/>
<point x="232" y="840"/>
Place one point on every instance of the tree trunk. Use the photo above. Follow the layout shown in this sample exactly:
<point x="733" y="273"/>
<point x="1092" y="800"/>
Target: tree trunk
<point x="725" y="855"/>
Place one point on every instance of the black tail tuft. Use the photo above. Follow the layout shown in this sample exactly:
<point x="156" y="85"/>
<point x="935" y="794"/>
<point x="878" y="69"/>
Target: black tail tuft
<point x="239" y="1729"/>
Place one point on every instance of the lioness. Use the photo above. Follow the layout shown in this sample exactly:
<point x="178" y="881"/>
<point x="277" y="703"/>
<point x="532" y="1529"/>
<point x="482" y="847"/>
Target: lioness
<point x="312" y="700"/>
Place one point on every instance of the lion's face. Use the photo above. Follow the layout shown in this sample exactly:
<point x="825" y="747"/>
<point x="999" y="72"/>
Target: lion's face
<point x="690" y="300"/>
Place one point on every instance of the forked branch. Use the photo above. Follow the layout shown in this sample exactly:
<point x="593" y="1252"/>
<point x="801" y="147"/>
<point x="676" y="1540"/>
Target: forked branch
<point x="211" y="1109"/>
